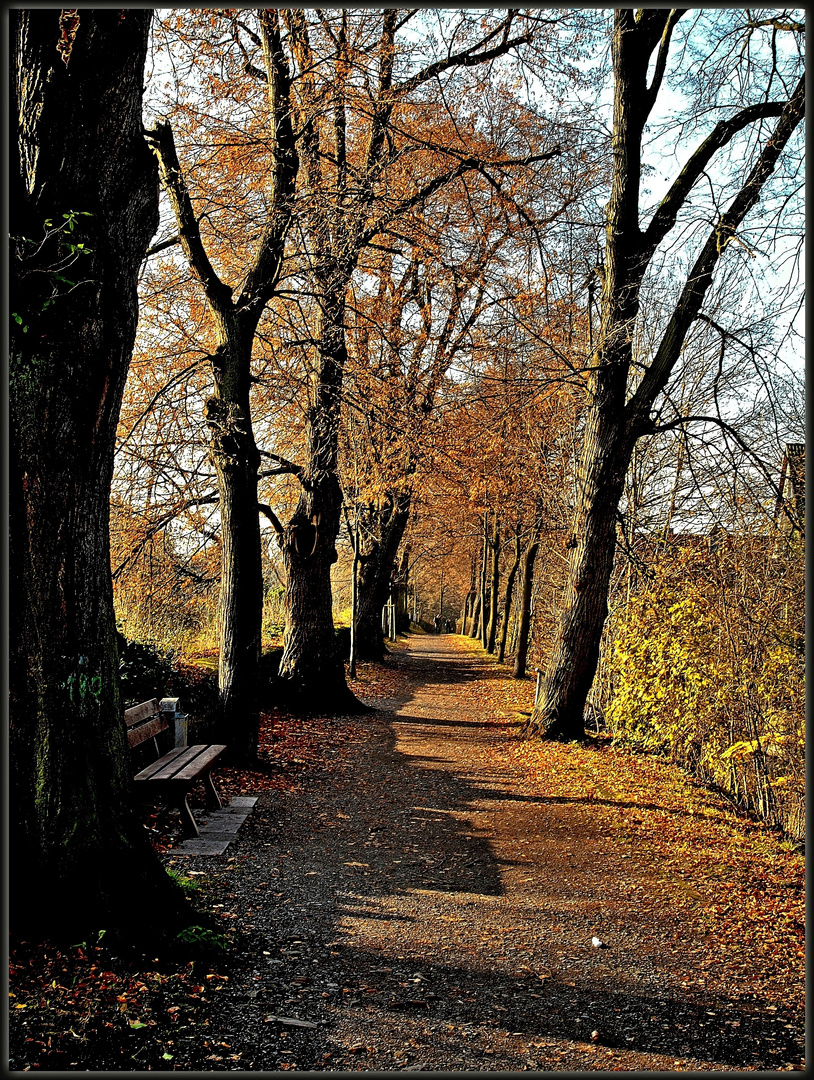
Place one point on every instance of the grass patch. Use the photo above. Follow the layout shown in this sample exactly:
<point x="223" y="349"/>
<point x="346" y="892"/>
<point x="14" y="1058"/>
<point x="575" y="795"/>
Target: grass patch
<point x="190" y="887"/>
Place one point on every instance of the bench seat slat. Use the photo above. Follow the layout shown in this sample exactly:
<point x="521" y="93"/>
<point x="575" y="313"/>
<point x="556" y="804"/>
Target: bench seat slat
<point x="202" y="763"/>
<point x="182" y="765"/>
<point x="149" y="772"/>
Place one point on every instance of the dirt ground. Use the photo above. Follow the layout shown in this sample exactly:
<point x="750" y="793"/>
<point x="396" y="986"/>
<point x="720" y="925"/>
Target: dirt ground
<point x="429" y="910"/>
<point x="429" y="900"/>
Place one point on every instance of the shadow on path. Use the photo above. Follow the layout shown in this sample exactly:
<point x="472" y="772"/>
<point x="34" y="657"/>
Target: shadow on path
<point x="390" y="911"/>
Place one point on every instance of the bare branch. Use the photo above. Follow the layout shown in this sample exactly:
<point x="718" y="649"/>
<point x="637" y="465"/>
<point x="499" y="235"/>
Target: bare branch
<point x="286" y="465"/>
<point x="665" y="216"/>
<point x="472" y="56"/>
<point x="727" y="334"/>
<point x="265" y="271"/>
<point x="162" y="144"/>
<point x="661" y="59"/>
<point x="700" y="278"/>
<point x="467" y="164"/>
<point x="154" y="250"/>
<point x="779" y="24"/>
<point x="180" y="377"/>
<point x="266" y="510"/>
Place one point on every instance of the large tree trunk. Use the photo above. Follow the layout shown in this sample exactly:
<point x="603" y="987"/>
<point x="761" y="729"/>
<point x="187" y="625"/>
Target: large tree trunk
<point x="79" y="856"/>
<point x="491" y="633"/>
<point x="473" y="626"/>
<point x="236" y="459"/>
<point x="385" y="529"/>
<point x="572" y="665"/>
<point x="469" y="604"/>
<point x="614" y="422"/>
<point x="507" y="598"/>
<point x="312" y="673"/>
<point x="228" y="412"/>
<point x="524" y="618"/>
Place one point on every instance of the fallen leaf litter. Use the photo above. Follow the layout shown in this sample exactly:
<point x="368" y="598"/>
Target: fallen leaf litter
<point x="464" y="936"/>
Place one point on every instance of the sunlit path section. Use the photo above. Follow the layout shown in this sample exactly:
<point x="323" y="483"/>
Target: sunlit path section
<point x="485" y="885"/>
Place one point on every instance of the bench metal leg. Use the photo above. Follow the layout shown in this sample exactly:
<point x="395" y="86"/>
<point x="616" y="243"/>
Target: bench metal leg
<point x="210" y="793"/>
<point x="188" y="822"/>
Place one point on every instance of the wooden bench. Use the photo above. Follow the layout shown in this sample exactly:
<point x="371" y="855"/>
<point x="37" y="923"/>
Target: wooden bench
<point x="169" y="778"/>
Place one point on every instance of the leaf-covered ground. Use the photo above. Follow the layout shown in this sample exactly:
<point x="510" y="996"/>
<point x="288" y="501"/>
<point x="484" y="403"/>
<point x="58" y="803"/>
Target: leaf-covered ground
<point x="419" y="889"/>
<point x="735" y="878"/>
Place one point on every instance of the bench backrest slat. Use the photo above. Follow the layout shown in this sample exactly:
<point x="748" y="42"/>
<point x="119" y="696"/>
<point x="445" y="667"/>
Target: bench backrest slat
<point x="137" y="735"/>
<point x="153" y="719"/>
<point x="141" y="712"/>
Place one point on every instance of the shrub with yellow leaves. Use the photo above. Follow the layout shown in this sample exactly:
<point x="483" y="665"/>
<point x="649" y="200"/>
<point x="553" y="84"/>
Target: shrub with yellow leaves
<point x="707" y="664"/>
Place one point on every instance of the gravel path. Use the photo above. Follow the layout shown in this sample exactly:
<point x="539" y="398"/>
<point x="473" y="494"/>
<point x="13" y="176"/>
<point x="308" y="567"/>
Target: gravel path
<point x="420" y="906"/>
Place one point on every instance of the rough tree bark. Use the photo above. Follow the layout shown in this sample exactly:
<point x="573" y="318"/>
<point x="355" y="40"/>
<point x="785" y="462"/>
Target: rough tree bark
<point x="84" y="207"/>
<point x="385" y="531"/>
<point x="473" y="627"/>
<point x="469" y="604"/>
<point x="233" y="450"/>
<point x="312" y="671"/>
<point x="491" y="632"/>
<point x="524" y="615"/>
<point x="507" y="597"/>
<point x="613" y="422"/>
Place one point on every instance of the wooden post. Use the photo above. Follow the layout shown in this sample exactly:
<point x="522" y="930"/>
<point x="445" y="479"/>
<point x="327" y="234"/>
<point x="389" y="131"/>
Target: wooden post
<point x="176" y="719"/>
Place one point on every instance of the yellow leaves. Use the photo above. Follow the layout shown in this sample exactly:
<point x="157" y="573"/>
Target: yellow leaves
<point x="768" y="743"/>
<point x="705" y="667"/>
<point x="741" y="749"/>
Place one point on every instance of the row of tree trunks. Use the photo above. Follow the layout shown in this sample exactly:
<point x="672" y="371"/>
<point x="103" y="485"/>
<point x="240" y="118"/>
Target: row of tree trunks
<point x="484" y="584"/>
<point x="337" y="169"/>
<point x="485" y="568"/>
<point x="227" y="413"/>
